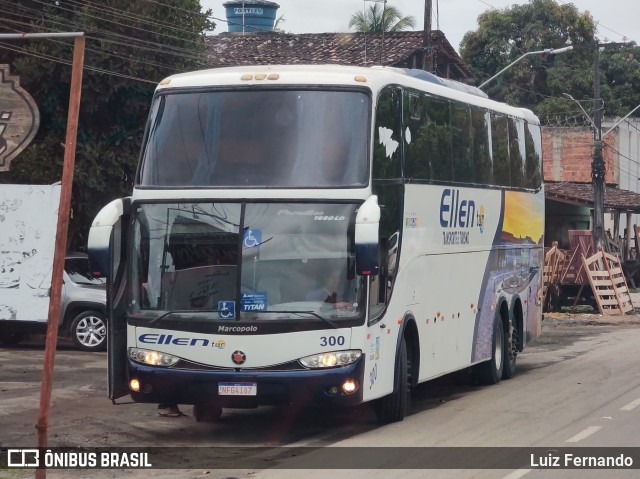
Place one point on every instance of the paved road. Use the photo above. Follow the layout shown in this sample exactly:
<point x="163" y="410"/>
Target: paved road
<point x="577" y="386"/>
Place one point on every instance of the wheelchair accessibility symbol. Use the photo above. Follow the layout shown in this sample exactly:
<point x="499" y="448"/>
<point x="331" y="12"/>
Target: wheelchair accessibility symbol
<point x="252" y="238"/>
<point x="226" y="309"/>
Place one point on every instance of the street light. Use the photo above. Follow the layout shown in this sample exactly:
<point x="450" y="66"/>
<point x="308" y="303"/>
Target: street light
<point x="546" y="51"/>
<point x="566" y="95"/>
<point x="620" y="121"/>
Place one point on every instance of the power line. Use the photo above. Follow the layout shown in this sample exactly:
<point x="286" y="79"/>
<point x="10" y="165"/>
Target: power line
<point x="68" y="62"/>
<point x="124" y="40"/>
<point x="117" y="23"/>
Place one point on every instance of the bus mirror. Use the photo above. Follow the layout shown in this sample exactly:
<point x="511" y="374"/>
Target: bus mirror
<point x="366" y="237"/>
<point x="104" y="233"/>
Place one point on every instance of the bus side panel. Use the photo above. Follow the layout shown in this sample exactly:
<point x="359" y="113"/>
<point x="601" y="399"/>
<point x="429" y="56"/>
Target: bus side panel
<point x="464" y="249"/>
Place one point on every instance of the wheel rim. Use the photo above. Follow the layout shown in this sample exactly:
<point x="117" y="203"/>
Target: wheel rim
<point x="91" y="331"/>
<point x="499" y="344"/>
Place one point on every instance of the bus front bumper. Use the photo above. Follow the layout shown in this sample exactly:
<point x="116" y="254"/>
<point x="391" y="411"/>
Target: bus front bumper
<point x="317" y="387"/>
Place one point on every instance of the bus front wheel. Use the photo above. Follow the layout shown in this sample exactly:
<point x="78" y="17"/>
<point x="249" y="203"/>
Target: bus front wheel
<point x="395" y="406"/>
<point x="207" y="412"/>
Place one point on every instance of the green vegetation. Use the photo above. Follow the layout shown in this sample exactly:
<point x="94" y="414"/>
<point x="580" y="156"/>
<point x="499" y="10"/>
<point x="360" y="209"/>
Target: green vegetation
<point x="381" y="19"/>
<point x="539" y="81"/>
<point x="131" y="45"/>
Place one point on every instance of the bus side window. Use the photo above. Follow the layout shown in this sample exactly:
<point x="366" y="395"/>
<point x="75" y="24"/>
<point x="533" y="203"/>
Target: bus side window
<point x="481" y="146"/>
<point x="500" y="150"/>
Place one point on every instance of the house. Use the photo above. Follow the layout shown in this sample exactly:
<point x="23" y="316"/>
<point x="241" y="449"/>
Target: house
<point x="567" y="157"/>
<point x="398" y="49"/>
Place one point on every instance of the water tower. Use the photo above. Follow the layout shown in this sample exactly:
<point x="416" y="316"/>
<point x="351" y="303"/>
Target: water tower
<point x="255" y="16"/>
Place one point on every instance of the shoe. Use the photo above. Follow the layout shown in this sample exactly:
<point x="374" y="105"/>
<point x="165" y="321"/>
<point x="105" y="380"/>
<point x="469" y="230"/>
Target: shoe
<point x="171" y="412"/>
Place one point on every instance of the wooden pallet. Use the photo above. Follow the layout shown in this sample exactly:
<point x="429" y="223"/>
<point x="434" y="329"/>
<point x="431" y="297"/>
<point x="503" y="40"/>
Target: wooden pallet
<point x="554" y="260"/>
<point x="608" y="283"/>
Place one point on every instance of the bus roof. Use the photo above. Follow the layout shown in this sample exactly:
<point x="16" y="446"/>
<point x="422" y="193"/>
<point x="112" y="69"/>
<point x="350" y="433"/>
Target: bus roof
<point x="373" y="78"/>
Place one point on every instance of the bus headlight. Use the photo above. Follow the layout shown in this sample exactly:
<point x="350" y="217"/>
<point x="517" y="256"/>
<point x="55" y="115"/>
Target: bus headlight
<point x="153" y="358"/>
<point x="330" y="360"/>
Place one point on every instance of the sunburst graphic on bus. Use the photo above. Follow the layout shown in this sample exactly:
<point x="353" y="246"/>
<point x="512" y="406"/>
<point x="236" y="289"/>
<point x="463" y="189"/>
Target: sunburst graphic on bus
<point x="523" y="222"/>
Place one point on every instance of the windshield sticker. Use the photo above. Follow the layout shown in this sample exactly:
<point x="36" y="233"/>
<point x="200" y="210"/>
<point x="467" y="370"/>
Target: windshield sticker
<point x="226" y="310"/>
<point x="252" y="238"/>
<point x="390" y="144"/>
<point x="253" y="301"/>
<point x="411" y="220"/>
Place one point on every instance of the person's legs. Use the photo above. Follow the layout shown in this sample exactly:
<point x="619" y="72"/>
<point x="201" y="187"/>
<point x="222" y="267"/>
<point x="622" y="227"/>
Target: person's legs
<point x="169" y="410"/>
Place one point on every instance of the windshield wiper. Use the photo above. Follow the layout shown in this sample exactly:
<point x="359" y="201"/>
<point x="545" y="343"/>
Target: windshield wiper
<point x="312" y="313"/>
<point x="182" y="311"/>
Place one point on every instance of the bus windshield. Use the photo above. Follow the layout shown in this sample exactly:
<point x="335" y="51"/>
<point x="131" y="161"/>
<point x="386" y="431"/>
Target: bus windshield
<point x="257" y="261"/>
<point x="257" y="138"/>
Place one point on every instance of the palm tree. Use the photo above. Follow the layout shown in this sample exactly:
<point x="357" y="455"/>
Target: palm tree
<point x="277" y="27"/>
<point x="381" y="19"/>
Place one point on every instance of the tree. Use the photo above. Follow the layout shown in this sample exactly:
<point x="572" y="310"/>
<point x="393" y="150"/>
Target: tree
<point x="277" y="26"/>
<point x="538" y="81"/>
<point x="505" y="35"/>
<point x="131" y="45"/>
<point x="381" y="19"/>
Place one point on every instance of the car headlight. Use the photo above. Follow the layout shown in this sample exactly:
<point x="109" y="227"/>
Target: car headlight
<point x="330" y="360"/>
<point x="153" y="358"/>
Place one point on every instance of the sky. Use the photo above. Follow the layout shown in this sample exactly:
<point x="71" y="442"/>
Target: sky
<point x="618" y="19"/>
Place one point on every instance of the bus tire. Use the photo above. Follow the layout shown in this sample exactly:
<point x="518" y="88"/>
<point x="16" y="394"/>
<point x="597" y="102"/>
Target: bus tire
<point x="394" y="407"/>
<point x="490" y="372"/>
<point x="207" y="412"/>
<point x="510" y="353"/>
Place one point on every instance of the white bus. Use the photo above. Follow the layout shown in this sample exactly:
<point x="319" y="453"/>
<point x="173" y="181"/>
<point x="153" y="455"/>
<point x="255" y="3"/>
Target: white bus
<point x="322" y="235"/>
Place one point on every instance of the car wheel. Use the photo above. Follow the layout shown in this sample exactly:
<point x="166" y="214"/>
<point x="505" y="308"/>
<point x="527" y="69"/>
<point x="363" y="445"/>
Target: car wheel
<point x="89" y="331"/>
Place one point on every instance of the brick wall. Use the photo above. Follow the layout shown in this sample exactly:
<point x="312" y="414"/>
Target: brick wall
<point x="567" y="154"/>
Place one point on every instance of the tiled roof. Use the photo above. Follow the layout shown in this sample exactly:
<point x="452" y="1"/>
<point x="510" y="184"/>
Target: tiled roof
<point x="231" y="49"/>
<point x="582" y="194"/>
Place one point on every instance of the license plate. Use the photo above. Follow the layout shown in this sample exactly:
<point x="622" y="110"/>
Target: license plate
<point x="237" y="389"/>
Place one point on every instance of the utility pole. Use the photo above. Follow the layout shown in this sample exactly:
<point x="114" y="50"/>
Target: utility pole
<point x="597" y="166"/>
<point x="427" y="61"/>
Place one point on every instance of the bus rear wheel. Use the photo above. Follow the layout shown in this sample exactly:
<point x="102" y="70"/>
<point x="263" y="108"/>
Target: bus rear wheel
<point x="490" y="372"/>
<point x="207" y="412"/>
<point x="510" y="353"/>
<point x="395" y="406"/>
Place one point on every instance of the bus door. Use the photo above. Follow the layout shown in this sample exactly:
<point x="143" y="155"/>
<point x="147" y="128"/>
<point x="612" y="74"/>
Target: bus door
<point x="108" y="255"/>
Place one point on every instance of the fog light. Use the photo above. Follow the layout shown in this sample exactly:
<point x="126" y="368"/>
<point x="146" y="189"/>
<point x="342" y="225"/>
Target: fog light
<point x="333" y="390"/>
<point x="350" y="386"/>
<point x="134" y="385"/>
